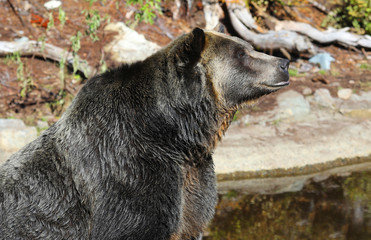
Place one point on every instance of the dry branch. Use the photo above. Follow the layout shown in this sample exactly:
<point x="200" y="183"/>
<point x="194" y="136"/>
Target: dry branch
<point x="48" y="51"/>
<point x="212" y="12"/>
<point x="242" y="13"/>
<point x="329" y="36"/>
<point x="242" y="21"/>
<point x="285" y="34"/>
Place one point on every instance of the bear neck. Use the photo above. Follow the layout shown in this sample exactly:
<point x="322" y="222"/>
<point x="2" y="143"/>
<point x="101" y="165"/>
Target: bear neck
<point x="201" y="128"/>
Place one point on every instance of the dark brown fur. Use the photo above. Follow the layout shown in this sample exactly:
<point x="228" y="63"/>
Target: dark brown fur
<point x="132" y="156"/>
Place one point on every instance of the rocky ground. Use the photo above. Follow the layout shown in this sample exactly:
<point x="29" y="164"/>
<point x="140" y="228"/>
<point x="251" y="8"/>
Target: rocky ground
<point x="303" y="129"/>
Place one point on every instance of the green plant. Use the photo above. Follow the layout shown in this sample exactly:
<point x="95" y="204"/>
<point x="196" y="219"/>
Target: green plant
<point x="103" y="65"/>
<point x="365" y="66"/>
<point x="322" y="72"/>
<point x="27" y="83"/>
<point x="75" y="41"/>
<point x="91" y="2"/>
<point x="44" y="119"/>
<point x="93" y="20"/>
<point x="20" y="68"/>
<point x="294" y="73"/>
<point x="147" y="11"/>
<point x="51" y="22"/>
<point x="62" y="16"/>
<point x="231" y="194"/>
<point x="365" y="86"/>
<point x="236" y="116"/>
<point x="62" y="64"/>
<point x="355" y="13"/>
<point x="276" y="121"/>
<point x="42" y="39"/>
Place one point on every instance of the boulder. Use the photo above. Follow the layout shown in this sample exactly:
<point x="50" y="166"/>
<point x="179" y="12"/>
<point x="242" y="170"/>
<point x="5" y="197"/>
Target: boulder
<point x="292" y="104"/>
<point x="323" y="98"/>
<point x="128" y="46"/>
<point x="14" y="134"/>
<point x="345" y="93"/>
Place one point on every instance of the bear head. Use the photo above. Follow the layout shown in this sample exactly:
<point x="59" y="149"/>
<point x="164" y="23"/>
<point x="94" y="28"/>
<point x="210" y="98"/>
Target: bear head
<point x="236" y="72"/>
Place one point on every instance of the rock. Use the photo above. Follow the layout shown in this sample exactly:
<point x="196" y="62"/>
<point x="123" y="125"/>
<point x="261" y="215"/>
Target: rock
<point x="352" y="82"/>
<point x="323" y="97"/>
<point x="357" y="102"/>
<point x="305" y="67"/>
<point x="293" y="104"/>
<point x="366" y="96"/>
<point x="13" y="136"/>
<point x="246" y="120"/>
<point x="335" y="84"/>
<point x="355" y="97"/>
<point x="128" y="46"/>
<point x="52" y="4"/>
<point x="42" y="126"/>
<point x="307" y="91"/>
<point x="26" y="6"/>
<point x="22" y="39"/>
<point x="345" y="93"/>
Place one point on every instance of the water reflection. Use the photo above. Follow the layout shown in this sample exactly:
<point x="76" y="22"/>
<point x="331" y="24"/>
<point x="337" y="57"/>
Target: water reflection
<point x="336" y="208"/>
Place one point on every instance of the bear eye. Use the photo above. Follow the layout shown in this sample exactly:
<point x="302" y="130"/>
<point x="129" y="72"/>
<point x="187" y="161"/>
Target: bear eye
<point x="241" y="54"/>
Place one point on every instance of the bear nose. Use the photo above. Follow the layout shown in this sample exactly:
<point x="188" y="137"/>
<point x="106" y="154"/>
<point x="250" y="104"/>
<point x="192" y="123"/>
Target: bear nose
<point x="284" y="64"/>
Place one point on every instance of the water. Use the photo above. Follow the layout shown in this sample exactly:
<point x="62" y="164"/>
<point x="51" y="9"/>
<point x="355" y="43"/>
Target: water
<point x="338" y="207"/>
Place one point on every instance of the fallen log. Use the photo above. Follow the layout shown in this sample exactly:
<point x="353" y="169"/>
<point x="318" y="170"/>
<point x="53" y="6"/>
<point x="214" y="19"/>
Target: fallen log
<point x="290" y="35"/>
<point x="342" y="36"/>
<point x="331" y="35"/>
<point x="48" y="51"/>
<point x="242" y="22"/>
<point x="242" y="13"/>
<point x="212" y="13"/>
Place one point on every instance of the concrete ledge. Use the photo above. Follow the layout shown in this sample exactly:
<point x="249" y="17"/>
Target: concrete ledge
<point x="292" y="144"/>
<point x="285" y="182"/>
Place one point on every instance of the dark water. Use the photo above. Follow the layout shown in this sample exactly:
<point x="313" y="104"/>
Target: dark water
<point x="336" y="208"/>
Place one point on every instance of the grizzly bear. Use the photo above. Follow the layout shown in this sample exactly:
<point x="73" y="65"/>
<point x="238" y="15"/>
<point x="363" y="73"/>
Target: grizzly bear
<point x="131" y="158"/>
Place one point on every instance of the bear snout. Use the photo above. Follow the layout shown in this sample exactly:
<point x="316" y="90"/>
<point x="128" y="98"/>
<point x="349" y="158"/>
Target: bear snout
<point x="282" y="78"/>
<point x="284" y="65"/>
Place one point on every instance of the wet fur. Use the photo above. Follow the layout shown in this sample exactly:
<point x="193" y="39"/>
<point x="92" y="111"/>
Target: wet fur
<point x="132" y="156"/>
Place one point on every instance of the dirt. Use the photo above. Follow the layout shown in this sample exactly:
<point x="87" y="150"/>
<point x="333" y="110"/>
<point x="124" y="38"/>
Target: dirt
<point x="44" y="98"/>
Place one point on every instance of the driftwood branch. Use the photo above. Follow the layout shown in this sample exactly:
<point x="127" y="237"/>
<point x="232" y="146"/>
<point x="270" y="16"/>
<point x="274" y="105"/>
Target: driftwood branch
<point x="329" y="36"/>
<point x="290" y="35"/>
<point x="34" y="48"/>
<point x="241" y="12"/>
<point x="324" y="37"/>
<point x="212" y="12"/>
<point x="242" y="21"/>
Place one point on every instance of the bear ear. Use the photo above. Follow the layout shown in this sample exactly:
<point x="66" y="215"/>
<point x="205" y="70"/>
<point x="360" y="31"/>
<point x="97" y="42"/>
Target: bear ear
<point x="198" y="41"/>
<point x="193" y="45"/>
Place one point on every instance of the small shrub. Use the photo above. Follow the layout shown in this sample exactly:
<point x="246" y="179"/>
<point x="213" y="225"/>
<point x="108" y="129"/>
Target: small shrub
<point x="365" y="66"/>
<point x="147" y="11"/>
<point x="355" y="13"/>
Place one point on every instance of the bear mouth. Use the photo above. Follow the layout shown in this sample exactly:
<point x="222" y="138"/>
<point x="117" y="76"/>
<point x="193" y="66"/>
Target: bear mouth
<point x="278" y="85"/>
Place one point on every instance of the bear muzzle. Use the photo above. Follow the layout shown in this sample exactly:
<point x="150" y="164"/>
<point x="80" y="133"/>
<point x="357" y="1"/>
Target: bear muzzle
<point x="282" y="75"/>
